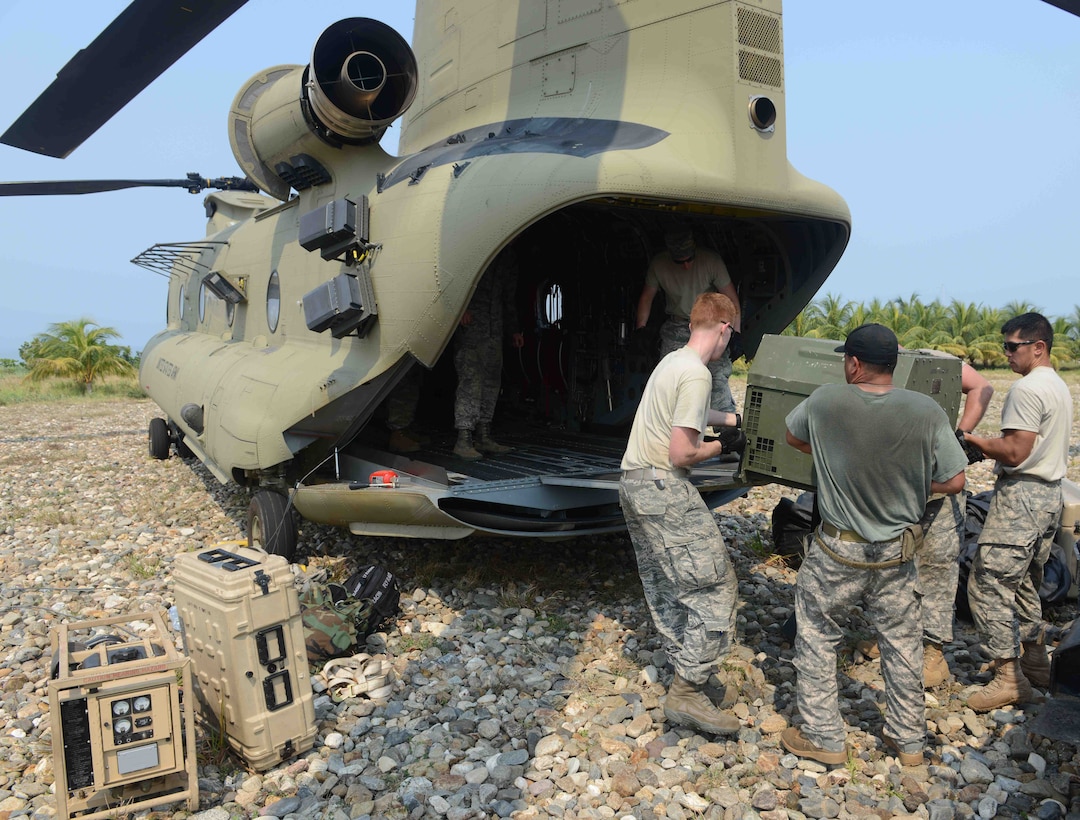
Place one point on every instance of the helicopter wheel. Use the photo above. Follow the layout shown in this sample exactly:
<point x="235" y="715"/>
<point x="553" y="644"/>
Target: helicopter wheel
<point x="159" y="439"/>
<point x="270" y="524"/>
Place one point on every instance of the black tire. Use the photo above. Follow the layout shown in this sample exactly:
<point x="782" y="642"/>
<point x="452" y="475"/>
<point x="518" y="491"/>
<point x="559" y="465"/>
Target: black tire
<point x="270" y="524"/>
<point x="159" y="439"/>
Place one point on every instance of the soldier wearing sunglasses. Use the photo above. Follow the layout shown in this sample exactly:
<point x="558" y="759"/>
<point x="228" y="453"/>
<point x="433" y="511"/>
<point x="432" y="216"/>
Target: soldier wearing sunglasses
<point x="1032" y="454"/>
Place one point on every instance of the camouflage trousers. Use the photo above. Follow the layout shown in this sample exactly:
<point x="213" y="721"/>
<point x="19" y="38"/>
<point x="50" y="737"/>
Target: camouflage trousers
<point x="478" y="354"/>
<point x="1008" y="569"/>
<point x="937" y="565"/>
<point x="675" y="333"/>
<point x="825" y="592"/>
<point x="689" y="582"/>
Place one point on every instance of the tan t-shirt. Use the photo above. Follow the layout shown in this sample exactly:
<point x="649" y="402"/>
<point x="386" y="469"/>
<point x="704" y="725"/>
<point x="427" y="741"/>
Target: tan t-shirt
<point x="1040" y="403"/>
<point x="676" y="395"/>
<point x="682" y="287"/>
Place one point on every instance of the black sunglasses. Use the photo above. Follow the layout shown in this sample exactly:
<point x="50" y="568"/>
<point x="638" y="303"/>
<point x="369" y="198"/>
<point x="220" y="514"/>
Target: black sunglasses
<point x="1012" y="347"/>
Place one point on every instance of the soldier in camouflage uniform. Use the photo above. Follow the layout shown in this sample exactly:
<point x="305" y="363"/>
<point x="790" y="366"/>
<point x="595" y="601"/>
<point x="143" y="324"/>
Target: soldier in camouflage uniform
<point x="686" y="573"/>
<point x="478" y="357"/>
<point x="1032" y="455"/>
<point x="937" y="563"/>
<point x="861" y="555"/>
<point x="683" y="272"/>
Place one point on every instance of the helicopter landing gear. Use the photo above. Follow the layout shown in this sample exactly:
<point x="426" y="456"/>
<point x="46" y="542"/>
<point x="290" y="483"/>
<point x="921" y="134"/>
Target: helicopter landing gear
<point x="160" y="440"/>
<point x="271" y="525"/>
<point x="182" y="449"/>
<point x="177" y="435"/>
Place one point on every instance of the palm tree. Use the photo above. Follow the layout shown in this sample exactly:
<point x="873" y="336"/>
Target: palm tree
<point x="78" y="349"/>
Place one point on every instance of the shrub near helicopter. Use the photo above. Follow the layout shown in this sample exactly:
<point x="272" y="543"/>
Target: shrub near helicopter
<point x="573" y="131"/>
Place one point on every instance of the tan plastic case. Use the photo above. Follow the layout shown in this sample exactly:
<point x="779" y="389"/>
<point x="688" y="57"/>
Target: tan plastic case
<point x="240" y="617"/>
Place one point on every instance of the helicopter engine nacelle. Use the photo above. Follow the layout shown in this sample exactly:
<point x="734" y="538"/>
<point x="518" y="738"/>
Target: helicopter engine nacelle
<point x="288" y="121"/>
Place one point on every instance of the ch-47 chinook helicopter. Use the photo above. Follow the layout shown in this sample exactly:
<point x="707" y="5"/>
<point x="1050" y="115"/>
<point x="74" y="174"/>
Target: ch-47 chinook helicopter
<point x="572" y="131"/>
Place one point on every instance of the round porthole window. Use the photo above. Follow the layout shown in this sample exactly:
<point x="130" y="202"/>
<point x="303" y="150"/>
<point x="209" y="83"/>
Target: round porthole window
<point x="553" y="304"/>
<point x="273" y="302"/>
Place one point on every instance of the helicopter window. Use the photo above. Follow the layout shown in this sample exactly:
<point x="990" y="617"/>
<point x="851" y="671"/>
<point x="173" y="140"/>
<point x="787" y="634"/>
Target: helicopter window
<point x="202" y="301"/>
<point x="273" y="302"/>
<point x="551" y="306"/>
<point x="181" y="303"/>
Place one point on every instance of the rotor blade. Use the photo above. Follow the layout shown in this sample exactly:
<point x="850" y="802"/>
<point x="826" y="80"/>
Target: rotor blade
<point x="147" y="38"/>
<point x="1071" y="6"/>
<point x="194" y="184"/>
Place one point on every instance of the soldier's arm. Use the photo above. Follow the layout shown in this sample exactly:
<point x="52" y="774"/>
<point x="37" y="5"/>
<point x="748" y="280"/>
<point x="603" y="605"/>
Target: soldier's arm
<point x="977" y="392"/>
<point x="950" y="487"/>
<point x="798" y="443"/>
<point x="686" y="447"/>
<point x="644" y="305"/>
<point x="1012" y="448"/>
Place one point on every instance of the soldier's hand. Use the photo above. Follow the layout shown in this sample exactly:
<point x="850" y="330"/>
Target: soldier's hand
<point x="972" y="451"/>
<point x="733" y="439"/>
<point x="735" y="346"/>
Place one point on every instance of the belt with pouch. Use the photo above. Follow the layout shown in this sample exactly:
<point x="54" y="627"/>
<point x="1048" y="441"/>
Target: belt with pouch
<point x="910" y="542"/>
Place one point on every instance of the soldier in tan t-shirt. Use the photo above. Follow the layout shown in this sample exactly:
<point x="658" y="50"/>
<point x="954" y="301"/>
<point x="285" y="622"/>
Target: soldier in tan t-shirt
<point x="689" y="583"/>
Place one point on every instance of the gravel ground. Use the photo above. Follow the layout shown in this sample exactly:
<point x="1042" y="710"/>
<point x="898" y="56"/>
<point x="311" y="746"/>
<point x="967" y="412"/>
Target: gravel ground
<point x="527" y="675"/>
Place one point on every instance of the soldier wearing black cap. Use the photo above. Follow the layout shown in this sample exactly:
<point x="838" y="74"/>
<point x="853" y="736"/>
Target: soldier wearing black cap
<point x="879" y="452"/>
<point x="683" y="273"/>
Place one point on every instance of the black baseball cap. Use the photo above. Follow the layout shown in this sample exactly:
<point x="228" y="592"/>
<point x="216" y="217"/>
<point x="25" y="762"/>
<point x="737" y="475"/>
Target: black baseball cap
<point x="873" y="343"/>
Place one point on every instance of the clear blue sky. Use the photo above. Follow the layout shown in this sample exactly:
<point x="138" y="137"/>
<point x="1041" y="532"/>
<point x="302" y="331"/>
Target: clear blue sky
<point x="950" y="129"/>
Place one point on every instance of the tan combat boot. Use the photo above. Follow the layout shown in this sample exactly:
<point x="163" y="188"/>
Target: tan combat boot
<point x="464" y="447"/>
<point x="687" y="705"/>
<point x="721" y="695"/>
<point x="869" y="649"/>
<point x="1035" y="664"/>
<point x="935" y="669"/>
<point x="1008" y="686"/>
<point x="486" y="444"/>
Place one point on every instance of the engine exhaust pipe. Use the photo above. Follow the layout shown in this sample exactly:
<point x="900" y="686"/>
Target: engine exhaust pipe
<point x="362" y="77"/>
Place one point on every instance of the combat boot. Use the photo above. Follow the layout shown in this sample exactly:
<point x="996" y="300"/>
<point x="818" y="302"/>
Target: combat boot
<point x="486" y="444"/>
<point x="1008" y="686"/>
<point x="687" y="705"/>
<point x="401" y="442"/>
<point x="464" y="447"/>
<point x="935" y="669"/>
<point x="869" y="649"/>
<point x="722" y="695"/>
<point x="1035" y="664"/>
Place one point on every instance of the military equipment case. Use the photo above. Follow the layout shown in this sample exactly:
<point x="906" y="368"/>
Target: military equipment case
<point x="787" y="369"/>
<point x="122" y="735"/>
<point x="240" y="615"/>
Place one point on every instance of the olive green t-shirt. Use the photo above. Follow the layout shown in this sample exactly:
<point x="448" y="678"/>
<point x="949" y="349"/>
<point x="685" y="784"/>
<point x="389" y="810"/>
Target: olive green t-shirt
<point x="875" y="455"/>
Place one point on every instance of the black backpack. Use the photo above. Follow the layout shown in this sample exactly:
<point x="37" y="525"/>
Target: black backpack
<point x="379" y="587"/>
<point x="792" y="523"/>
